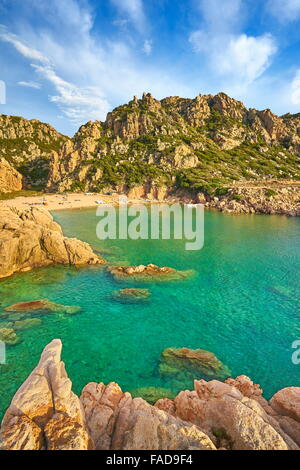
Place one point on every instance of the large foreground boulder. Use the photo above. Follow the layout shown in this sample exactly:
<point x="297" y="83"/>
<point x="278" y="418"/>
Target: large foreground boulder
<point x="29" y="238"/>
<point x="45" y="401"/>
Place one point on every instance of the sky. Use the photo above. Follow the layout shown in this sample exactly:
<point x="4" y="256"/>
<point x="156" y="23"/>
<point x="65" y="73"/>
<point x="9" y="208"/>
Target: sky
<point x="71" y="61"/>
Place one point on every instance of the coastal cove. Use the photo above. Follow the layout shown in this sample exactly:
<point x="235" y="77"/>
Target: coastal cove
<point x="242" y="304"/>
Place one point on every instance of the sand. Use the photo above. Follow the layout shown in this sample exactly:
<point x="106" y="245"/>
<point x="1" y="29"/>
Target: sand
<point x="55" y="202"/>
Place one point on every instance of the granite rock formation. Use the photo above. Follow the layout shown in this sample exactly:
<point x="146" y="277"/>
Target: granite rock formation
<point x="46" y="414"/>
<point x="29" y="238"/>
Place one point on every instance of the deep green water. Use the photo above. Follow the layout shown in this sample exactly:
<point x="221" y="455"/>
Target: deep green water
<point x="242" y="304"/>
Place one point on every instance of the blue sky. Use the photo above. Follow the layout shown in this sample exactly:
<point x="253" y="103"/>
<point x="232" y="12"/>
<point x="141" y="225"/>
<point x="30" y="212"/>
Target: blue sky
<point x="67" y="62"/>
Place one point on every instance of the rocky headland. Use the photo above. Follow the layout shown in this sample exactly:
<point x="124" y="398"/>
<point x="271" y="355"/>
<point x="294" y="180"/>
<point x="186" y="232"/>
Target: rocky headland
<point x="230" y="415"/>
<point x="29" y="238"/>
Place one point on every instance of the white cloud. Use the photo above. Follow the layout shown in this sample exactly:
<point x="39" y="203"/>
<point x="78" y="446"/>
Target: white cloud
<point x="30" y="84"/>
<point x="147" y="47"/>
<point x="77" y="103"/>
<point x="295" y="96"/>
<point x="237" y="57"/>
<point x="134" y="10"/>
<point x="284" y="10"/>
<point x="26" y="51"/>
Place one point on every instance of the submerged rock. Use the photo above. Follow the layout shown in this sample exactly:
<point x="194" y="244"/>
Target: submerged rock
<point x="43" y="306"/>
<point x="194" y="363"/>
<point x="8" y="336"/>
<point x="131" y="295"/>
<point x="152" y="394"/>
<point x="151" y="272"/>
<point x="27" y="324"/>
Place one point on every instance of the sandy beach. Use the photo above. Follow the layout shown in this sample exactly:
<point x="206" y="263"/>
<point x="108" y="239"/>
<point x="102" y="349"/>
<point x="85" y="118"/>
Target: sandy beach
<point x="54" y="202"/>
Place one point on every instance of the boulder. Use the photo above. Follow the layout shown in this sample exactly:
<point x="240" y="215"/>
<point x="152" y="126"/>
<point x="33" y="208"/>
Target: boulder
<point x="29" y="238"/>
<point x="46" y="395"/>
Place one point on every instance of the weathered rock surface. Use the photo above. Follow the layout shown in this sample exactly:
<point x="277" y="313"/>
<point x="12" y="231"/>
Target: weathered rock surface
<point x="238" y="421"/>
<point x="117" y="421"/>
<point x="10" y="179"/>
<point x="146" y="273"/>
<point x="29" y="238"/>
<point x="46" y="414"/>
<point x="45" y="401"/>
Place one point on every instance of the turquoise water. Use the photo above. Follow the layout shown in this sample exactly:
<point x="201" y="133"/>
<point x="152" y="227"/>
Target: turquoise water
<point x="242" y="304"/>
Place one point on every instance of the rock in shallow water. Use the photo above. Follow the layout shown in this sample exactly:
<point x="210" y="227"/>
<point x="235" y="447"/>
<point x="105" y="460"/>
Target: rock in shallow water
<point x="151" y="273"/>
<point x="27" y="324"/>
<point x="43" y="306"/>
<point x="191" y="363"/>
<point x="8" y="336"/>
<point x="131" y="295"/>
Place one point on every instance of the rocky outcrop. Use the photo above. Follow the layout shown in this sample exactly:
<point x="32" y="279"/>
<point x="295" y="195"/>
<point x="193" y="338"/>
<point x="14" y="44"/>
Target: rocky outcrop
<point x="46" y="414"/>
<point x="10" y="179"/>
<point x="29" y="238"/>
<point x="235" y="413"/>
<point x="151" y="272"/>
<point x="27" y="146"/>
<point x="276" y="198"/>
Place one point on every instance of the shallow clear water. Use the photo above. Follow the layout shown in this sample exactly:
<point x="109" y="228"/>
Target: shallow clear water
<point x="242" y="304"/>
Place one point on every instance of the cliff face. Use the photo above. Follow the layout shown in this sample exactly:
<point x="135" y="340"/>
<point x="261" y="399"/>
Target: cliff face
<point x="46" y="414"/>
<point x="27" y="146"/>
<point x="29" y="238"/>
<point x="202" y="143"/>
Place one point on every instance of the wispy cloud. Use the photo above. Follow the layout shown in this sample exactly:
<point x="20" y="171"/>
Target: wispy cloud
<point x="284" y="10"/>
<point x="30" y="84"/>
<point x="25" y="50"/>
<point x="237" y="57"/>
<point x="132" y="10"/>
<point x="77" y="103"/>
<point x="147" y="47"/>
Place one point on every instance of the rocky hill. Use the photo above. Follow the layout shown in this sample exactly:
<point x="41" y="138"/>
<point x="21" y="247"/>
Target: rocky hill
<point x="202" y="144"/>
<point x="27" y="147"/>
<point x="46" y="414"/>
